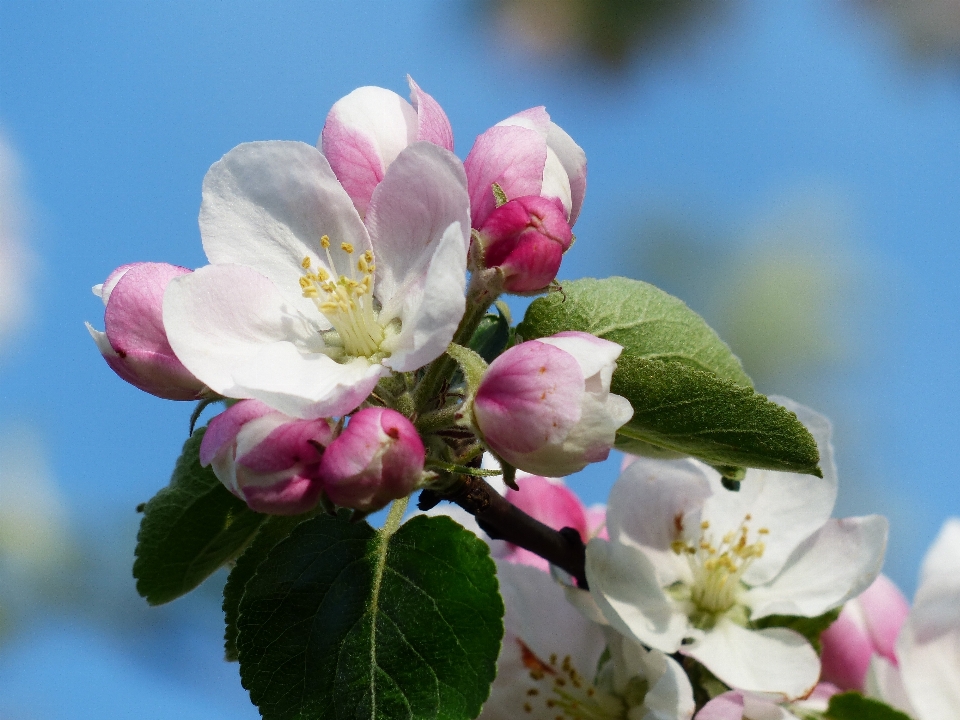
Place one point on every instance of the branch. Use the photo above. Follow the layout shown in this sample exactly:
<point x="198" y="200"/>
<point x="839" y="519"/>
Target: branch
<point x="501" y="520"/>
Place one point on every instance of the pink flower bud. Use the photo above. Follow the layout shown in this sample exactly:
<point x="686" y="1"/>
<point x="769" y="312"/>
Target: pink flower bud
<point x="526" y="238"/>
<point x="545" y="405"/>
<point x="135" y="343"/>
<point x="377" y="458"/>
<point x="868" y="625"/>
<point x="266" y="458"/>
<point x="366" y="130"/>
<point x="526" y="154"/>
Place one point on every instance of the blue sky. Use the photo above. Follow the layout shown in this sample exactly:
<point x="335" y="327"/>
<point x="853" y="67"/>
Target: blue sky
<point x="116" y="110"/>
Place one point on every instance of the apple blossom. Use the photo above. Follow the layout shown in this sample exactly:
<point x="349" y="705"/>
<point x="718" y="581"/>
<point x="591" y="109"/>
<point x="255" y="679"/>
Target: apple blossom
<point x="867" y="625"/>
<point x="928" y="650"/>
<point x="134" y="342"/>
<point x="548" y="665"/>
<point x="691" y="566"/>
<point x="366" y="130"/>
<point x="526" y="238"/>
<point x="545" y="405"/>
<point x="266" y="458"/>
<point x="306" y="306"/>
<point x="526" y="154"/>
<point x="377" y="458"/>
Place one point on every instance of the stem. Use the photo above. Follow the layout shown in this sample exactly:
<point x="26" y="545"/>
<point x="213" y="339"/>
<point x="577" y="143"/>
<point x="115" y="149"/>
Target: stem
<point x="503" y="521"/>
<point x="440" y="370"/>
<point x="395" y="516"/>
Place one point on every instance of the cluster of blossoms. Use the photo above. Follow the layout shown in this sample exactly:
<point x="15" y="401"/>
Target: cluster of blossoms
<point x="343" y="266"/>
<point x="347" y="283"/>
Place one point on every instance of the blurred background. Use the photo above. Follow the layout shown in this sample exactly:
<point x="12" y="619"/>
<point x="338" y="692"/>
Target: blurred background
<point x="790" y="169"/>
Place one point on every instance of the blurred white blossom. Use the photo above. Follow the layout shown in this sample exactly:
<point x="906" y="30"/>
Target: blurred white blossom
<point x="15" y="260"/>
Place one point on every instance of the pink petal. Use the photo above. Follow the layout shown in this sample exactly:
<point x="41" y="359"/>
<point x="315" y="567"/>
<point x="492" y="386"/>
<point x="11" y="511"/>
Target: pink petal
<point x="289" y="445"/>
<point x="291" y="496"/>
<point x="553" y="504"/>
<point x="728" y="706"/>
<point x="432" y="123"/>
<point x="222" y="430"/>
<point x="529" y="397"/>
<point x="511" y="156"/>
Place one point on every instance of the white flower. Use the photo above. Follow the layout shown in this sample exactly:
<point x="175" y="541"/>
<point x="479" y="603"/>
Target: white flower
<point x="305" y="306"/>
<point x="553" y="665"/>
<point x="690" y="566"/>
<point x="928" y="683"/>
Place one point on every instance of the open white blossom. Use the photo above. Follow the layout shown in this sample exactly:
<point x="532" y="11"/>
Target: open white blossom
<point x="691" y="566"/>
<point x="556" y="665"/>
<point x="305" y="306"/>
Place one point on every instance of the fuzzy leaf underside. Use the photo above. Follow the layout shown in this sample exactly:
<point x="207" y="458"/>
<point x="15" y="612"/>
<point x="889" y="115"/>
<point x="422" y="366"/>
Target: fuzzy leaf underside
<point x="338" y="622"/>
<point x="685" y="410"/>
<point x="189" y="529"/>
<point x="644" y="319"/>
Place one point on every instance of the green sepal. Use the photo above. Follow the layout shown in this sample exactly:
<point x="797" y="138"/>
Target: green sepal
<point x="854" y="706"/>
<point x="810" y="627"/>
<point x="272" y="531"/>
<point x="189" y="529"/>
<point x="342" y="620"/>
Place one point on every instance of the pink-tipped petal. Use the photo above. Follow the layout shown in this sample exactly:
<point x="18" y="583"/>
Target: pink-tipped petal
<point x="222" y="430"/>
<point x="511" y="156"/>
<point x="293" y="443"/>
<point x="432" y="123"/>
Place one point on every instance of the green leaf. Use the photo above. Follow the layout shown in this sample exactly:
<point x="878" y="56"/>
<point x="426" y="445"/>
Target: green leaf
<point x="687" y="410"/>
<point x="810" y="627"/>
<point x="272" y="531"/>
<point x="854" y="706"/>
<point x="645" y="320"/>
<point x="189" y="529"/>
<point x="343" y="621"/>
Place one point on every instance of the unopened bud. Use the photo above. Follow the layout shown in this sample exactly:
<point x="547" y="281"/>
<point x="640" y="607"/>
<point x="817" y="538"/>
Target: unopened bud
<point x="545" y="405"/>
<point x="135" y="343"/>
<point x="526" y="238"/>
<point x="377" y="458"/>
<point x="266" y="458"/>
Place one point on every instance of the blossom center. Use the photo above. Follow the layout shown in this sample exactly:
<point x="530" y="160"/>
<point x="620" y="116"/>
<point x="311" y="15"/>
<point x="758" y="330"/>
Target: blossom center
<point x="560" y="692"/>
<point x="718" y="568"/>
<point x="347" y="302"/>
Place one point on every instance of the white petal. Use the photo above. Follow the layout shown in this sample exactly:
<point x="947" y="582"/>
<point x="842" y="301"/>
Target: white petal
<point x="883" y="682"/>
<point x="837" y="563"/>
<point x="654" y="503"/>
<point x="430" y="310"/>
<point x="100" y="338"/>
<point x="625" y="586"/>
<point x="267" y="204"/>
<point x="574" y="162"/>
<point x="232" y="329"/>
<point x="775" y="660"/>
<point x="670" y="696"/>
<point x="791" y="506"/>
<point x="556" y="183"/>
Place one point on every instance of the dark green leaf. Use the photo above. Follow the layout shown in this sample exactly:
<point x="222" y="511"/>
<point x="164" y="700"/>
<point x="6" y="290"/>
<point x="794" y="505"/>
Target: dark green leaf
<point x="853" y="706"/>
<point x="681" y="408"/>
<point x="342" y="621"/>
<point x="272" y="531"/>
<point x="189" y="529"/>
<point x="491" y="336"/>
<point x="645" y="320"/>
<point x="810" y="627"/>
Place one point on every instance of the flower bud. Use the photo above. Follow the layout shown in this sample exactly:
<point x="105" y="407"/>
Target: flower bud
<point x="266" y="458"/>
<point x="366" y="130"/>
<point x="545" y="405"/>
<point x="526" y="239"/>
<point x="526" y="154"/>
<point x="134" y="343"/>
<point x="377" y="458"/>
<point x="868" y="625"/>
